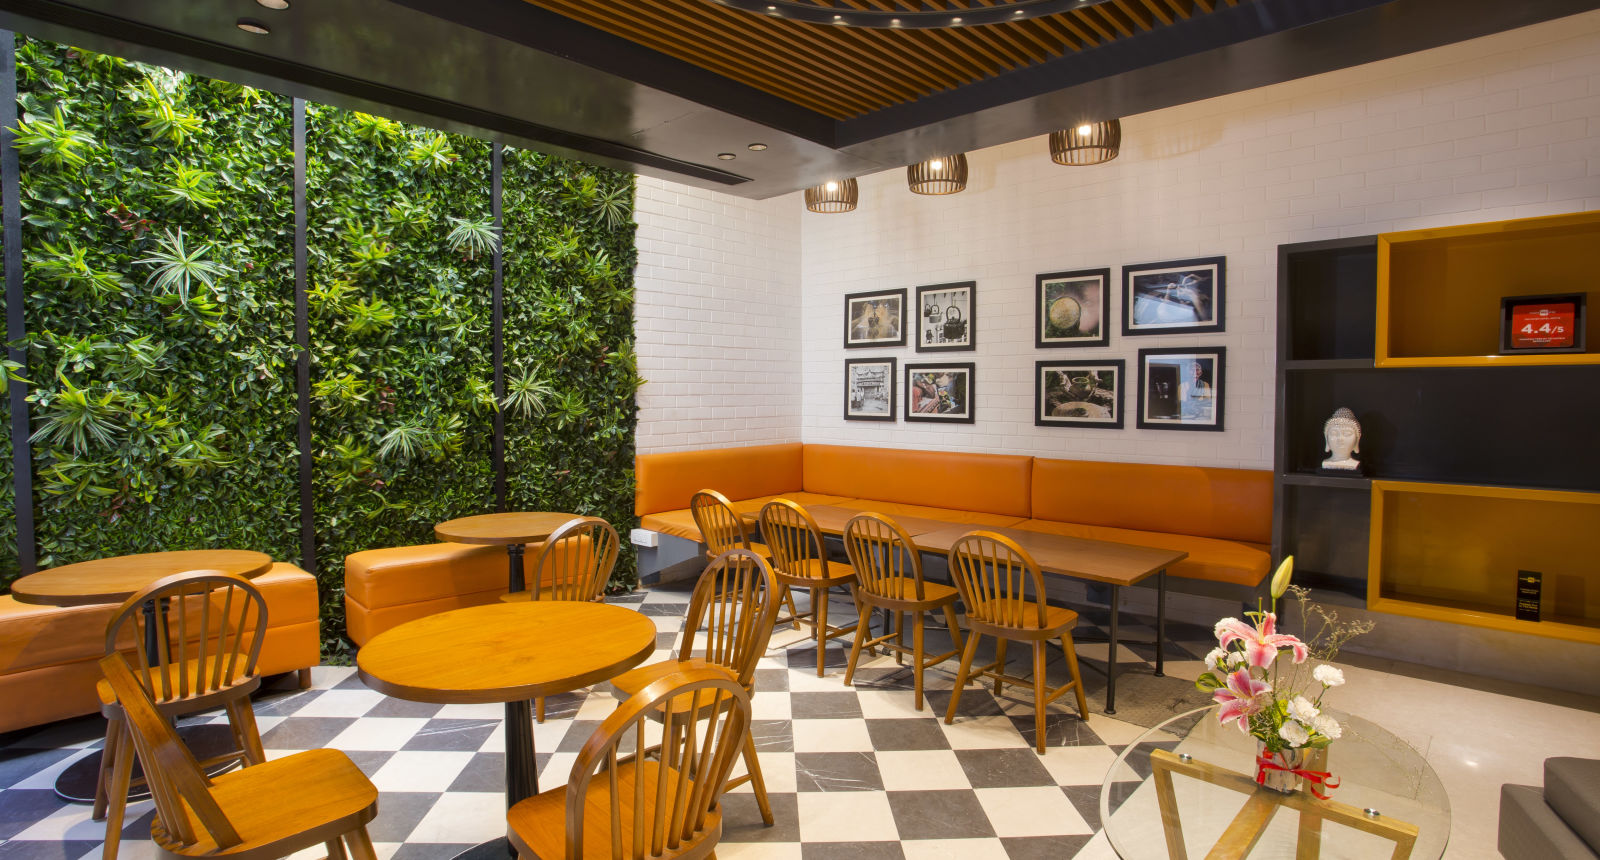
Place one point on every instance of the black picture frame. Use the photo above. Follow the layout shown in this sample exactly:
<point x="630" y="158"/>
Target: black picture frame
<point x="870" y="325"/>
<point x="1089" y="292"/>
<point x="1509" y="307"/>
<point x="950" y="387"/>
<point x="1157" y="296"/>
<point x="1170" y="399"/>
<point x="1077" y="390"/>
<point x="956" y="327"/>
<point x="858" y="393"/>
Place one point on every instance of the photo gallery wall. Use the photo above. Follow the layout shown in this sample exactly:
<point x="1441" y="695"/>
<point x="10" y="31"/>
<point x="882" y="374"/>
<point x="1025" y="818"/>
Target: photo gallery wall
<point x="1175" y="388"/>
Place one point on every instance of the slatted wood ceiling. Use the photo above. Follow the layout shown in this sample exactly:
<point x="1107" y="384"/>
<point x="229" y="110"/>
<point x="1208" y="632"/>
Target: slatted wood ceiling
<point x="843" y="72"/>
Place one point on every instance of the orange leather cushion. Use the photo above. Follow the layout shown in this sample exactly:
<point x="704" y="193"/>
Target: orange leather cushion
<point x="400" y="575"/>
<point x="982" y="483"/>
<point x="1230" y="504"/>
<point x="1209" y="558"/>
<point x="949" y="515"/>
<point x="664" y="482"/>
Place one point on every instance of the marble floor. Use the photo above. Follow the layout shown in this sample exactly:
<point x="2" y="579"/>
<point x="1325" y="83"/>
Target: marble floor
<point x="853" y="772"/>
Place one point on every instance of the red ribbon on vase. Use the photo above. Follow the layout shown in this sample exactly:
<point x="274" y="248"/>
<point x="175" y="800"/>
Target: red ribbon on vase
<point x="1318" y="778"/>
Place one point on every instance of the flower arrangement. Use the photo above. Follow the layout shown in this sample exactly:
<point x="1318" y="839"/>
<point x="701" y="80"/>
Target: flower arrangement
<point x="1257" y="675"/>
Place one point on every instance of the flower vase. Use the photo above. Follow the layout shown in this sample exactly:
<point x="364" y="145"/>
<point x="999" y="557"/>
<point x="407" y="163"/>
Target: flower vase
<point x="1281" y="776"/>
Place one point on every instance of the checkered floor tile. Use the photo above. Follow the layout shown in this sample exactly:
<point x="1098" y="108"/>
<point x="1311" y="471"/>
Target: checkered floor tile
<point x="852" y="772"/>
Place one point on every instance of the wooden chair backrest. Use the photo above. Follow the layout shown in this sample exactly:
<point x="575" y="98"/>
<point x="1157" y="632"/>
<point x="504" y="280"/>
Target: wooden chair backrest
<point x="721" y="528"/>
<point x="736" y="601"/>
<point x="577" y="560"/>
<point x="666" y="815"/>
<point x="1000" y="583"/>
<point x="791" y="534"/>
<point x="884" y="558"/>
<point x="208" y="627"/>
<point x="174" y="776"/>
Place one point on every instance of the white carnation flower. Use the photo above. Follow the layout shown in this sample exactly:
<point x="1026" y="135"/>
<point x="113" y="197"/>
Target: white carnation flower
<point x="1327" y="726"/>
<point x="1302" y="709"/>
<point x="1216" y="656"/>
<point x="1294" y="733"/>
<point x="1328" y="676"/>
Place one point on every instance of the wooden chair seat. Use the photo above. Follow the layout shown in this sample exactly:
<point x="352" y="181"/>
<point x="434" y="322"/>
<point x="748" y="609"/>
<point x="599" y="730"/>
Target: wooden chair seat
<point x="281" y="806"/>
<point x="636" y="679"/>
<point x="816" y="573"/>
<point x="900" y="592"/>
<point x="1057" y="620"/>
<point x="546" y="593"/>
<point x="537" y="825"/>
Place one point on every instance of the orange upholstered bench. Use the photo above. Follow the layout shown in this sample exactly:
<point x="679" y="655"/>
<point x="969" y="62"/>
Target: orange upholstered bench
<point x="750" y="477"/>
<point x="50" y="655"/>
<point x="1221" y="517"/>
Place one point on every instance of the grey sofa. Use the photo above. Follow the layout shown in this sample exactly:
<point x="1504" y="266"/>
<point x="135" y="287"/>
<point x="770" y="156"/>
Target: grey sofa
<point x="1560" y="821"/>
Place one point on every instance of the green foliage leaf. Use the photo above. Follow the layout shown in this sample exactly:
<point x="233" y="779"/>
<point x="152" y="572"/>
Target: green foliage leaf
<point x="178" y="269"/>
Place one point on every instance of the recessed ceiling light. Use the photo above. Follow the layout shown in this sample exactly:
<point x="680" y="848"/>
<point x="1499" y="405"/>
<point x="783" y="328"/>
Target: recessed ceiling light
<point x="273" y="4"/>
<point x="251" y="25"/>
<point x="756" y="147"/>
<point x="726" y="156"/>
<point x="955" y="20"/>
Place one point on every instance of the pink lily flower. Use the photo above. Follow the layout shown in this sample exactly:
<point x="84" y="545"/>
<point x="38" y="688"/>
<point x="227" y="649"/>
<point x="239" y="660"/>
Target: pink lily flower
<point x="1241" y="698"/>
<point x="1261" y="644"/>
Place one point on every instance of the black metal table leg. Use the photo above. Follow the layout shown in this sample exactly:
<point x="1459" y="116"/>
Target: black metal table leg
<point x="522" y="777"/>
<point x="514" y="553"/>
<point x="1161" y="622"/>
<point x="1111" y="652"/>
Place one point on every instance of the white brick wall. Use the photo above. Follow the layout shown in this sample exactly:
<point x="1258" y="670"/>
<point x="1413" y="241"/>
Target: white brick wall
<point x="1501" y="127"/>
<point x="716" y="318"/>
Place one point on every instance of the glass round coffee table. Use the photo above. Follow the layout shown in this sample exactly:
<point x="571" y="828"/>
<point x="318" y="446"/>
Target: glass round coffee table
<point x="1187" y="788"/>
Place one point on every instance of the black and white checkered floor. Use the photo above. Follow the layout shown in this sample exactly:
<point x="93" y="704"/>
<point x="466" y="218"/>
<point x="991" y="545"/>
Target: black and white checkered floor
<point x="852" y="772"/>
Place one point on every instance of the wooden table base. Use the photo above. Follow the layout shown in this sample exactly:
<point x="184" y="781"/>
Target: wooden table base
<point x="1259" y="807"/>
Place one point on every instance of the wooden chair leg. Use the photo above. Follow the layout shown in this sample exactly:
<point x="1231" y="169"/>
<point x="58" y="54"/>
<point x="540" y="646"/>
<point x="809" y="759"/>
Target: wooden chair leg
<point x="1040" y="689"/>
<point x="955" y="629"/>
<point x="899" y="619"/>
<point x="961" y="676"/>
<point x="916" y="657"/>
<point x="1077" y="680"/>
<point x="758" y="785"/>
<point x="862" y="627"/>
<point x="335" y="849"/>
<point x="819" y="605"/>
<point x="243" y="719"/>
<point x="110" y="751"/>
<point x="538" y="709"/>
<point x="117" y="791"/>
<point x="360" y="844"/>
<point x="788" y="599"/>
<point x="999" y="662"/>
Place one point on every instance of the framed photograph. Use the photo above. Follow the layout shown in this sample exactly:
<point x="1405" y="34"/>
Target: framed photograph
<point x="869" y="389"/>
<point x="1542" y="324"/>
<point x="1183" y="296"/>
<point x="1072" y="308"/>
<point x="947" y="317"/>
<point x="875" y="319"/>
<point x="1181" y="388"/>
<point x="1078" y="393"/>
<point x="940" y="392"/>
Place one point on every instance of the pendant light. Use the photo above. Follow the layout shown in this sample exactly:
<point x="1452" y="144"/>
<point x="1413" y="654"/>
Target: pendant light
<point x="835" y="195"/>
<point x="942" y="174"/>
<point x="1088" y="143"/>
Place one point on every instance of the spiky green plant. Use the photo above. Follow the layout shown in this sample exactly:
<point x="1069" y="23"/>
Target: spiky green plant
<point x="177" y="268"/>
<point x="54" y="143"/>
<point x="474" y="236"/>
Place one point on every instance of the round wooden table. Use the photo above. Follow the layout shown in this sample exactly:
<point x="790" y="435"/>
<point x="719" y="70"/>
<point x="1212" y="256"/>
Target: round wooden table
<point x="113" y="580"/>
<point x="511" y="653"/>
<point x="512" y="530"/>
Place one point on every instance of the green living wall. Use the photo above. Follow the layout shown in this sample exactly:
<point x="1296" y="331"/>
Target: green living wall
<point x="158" y="233"/>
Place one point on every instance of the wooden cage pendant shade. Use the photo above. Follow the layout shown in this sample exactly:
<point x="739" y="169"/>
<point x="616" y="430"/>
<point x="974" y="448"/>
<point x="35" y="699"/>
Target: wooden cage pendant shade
<point x="941" y="174"/>
<point x="833" y="196"/>
<point x="1087" y="143"/>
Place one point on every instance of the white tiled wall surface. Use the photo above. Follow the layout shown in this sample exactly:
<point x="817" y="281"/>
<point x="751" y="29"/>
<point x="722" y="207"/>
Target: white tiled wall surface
<point x="1501" y="127"/>
<point x="716" y="318"/>
<point x="740" y="302"/>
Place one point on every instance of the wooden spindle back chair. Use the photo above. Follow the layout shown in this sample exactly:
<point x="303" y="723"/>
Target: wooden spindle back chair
<point x="271" y="810"/>
<point x="196" y="638"/>
<point x="631" y="807"/>
<point x="1003" y="589"/>
<point x="721" y="527"/>
<point x="800" y="560"/>
<point x="889" y="577"/>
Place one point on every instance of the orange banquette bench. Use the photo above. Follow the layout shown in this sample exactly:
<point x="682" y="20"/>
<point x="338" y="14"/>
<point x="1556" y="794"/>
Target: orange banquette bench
<point x="1221" y="517"/>
<point x="50" y="655"/>
<point x="390" y="586"/>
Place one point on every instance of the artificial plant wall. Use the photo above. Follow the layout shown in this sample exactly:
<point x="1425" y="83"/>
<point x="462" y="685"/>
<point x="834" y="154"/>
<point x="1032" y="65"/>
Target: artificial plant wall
<point x="158" y="244"/>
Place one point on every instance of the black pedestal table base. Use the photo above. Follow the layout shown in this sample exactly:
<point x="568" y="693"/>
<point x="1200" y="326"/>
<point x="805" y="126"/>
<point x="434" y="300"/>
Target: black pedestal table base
<point x="76" y="784"/>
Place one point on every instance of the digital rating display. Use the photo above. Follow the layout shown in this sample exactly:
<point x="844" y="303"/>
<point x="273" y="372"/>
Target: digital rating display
<point x="1543" y="326"/>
